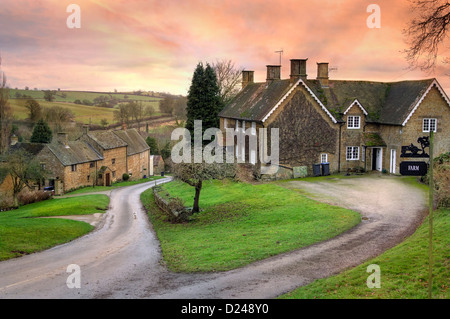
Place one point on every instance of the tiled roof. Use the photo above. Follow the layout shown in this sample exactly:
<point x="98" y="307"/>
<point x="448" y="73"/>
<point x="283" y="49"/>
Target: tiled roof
<point x="106" y="139"/>
<point x="385" y="102"/>
<point x="136" y="143"/>
<point x="76" y="152"/>
<point x="256" y="100"/>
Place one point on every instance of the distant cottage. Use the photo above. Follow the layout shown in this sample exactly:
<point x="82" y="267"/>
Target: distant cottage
<point x="352" y="125"/>
<point x="97" y="158"/>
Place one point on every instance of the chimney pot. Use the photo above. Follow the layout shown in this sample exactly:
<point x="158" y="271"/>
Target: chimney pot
<point x="247" y="78"/>
<point x="273" y="73"/>
<point x="63" y="138"/>
<point x="322" y="73"/>
<point x="298" y="69"/>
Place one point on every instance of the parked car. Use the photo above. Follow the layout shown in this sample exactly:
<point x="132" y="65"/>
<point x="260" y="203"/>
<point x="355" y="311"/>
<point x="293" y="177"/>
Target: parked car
<point x="50" y="189"/>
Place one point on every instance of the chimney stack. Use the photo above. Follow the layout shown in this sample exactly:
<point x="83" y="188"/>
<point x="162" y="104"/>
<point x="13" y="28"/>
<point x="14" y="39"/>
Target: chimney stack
<point x="273" y="73"/>
<point x="247" y="78"/>
<point x="86" y="129"/>
<point x="298" y="69"/>
<point x="322" y="73"/>
<point x="63" y="138"/>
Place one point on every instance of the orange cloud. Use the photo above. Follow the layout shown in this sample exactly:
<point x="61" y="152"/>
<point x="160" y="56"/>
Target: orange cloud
<point x="155" y="45"/>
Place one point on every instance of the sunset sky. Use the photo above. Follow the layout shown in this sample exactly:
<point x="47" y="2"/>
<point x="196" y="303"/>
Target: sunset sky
<point x="156" y="45"/>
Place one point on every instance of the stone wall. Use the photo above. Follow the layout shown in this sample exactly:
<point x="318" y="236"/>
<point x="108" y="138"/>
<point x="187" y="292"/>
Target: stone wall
<point x="138" y="165"/>
<point x="305" y="132"/>
<point x="433" y="106"/>
<point x="116" y="160"/>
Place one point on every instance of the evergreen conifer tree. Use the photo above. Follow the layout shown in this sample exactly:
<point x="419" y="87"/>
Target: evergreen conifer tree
<point x="203" y="101"/>
<point x="41" y="133"/>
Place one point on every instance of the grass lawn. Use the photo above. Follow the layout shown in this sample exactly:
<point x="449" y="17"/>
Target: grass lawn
<point x="404" y="270"/>
<point x="90" y="189"/>
<point x="242" y="223"/>
<point x="22" y="233"/>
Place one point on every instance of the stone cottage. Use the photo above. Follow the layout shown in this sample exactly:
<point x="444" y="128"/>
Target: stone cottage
<point x="138" y="153"/>
<point x="113" y="151"/>
<point x="351" y="125"/>
<point x="97" y="158"/>
<point x="69" y="164"/>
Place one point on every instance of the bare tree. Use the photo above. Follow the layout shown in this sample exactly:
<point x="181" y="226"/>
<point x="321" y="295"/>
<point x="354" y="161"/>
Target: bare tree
<point x="194" y="174"/>
<point x="426" y="33"/>
<point x="57" y="117"/>
<point x="137" y="113"/>
<point x="122" y="114"/>
<point x="228" y="78"/>
<point x="34" y="110"/>
<point x="5" y="113"/>
<point x="24" y="170"/>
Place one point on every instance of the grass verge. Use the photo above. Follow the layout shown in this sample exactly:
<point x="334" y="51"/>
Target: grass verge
<point x="95" y="189"/>
<point x="21" y="232"/>
<point x="242" y="223"/>
<point x="404" y="270"/>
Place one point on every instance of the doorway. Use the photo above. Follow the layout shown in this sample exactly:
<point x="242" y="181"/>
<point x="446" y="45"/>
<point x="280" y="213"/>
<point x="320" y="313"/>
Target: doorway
<point x="377" y="156"/>
<point x="108" y="179"/>
<point x="393" y="161"/>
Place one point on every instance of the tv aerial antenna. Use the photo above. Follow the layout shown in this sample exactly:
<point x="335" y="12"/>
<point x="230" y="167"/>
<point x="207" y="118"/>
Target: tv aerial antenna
<point x="333" y="69"/>
<point x="280" y="52"/>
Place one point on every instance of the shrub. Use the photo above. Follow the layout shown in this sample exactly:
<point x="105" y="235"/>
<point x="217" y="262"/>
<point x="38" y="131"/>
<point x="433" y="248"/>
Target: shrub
<point x="442" y="180"/>
<point x="6" y="202"/>
<point x="125" y="177"/>
<point x="29" y="197"/>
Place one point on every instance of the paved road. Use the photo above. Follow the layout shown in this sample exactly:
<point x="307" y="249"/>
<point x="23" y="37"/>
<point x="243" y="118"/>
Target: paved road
<point x="122" y="258"/>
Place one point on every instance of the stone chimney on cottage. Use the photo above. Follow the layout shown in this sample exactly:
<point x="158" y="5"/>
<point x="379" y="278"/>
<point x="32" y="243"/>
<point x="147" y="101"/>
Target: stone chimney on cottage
<point x="63" y="138"/>
<point x="124" y="126"/>
<point x="247" y="78"/>
<point x="273" y="73"/>
<point x="86" y="129"/>
<point x="298" y="70"/>
<point x="322" y="74"/>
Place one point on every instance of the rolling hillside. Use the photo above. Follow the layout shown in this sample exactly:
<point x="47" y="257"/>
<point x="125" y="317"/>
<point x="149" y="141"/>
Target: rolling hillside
<point x="83" y="113"/>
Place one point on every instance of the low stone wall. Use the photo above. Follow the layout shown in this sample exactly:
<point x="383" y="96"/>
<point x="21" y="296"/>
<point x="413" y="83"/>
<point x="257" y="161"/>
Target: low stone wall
<point x="173" y="208"/>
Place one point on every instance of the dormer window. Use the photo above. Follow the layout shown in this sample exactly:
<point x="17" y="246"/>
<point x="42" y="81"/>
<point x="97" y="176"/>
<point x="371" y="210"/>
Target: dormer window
<point x="353" y="122"/>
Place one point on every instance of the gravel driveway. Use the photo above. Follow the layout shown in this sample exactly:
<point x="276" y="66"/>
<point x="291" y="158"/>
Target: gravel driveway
<point x="122" y="258"/>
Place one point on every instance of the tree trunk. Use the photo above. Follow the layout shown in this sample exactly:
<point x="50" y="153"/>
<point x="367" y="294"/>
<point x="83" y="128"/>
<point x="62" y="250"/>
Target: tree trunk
<point x="16" y="201"/>
<point x="198" y="188"/>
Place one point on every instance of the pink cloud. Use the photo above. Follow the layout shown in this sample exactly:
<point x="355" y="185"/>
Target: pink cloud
<point x="156" y="45"/>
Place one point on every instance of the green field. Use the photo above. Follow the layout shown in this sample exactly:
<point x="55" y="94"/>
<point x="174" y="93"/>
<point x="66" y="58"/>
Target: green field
<point x="22" y="232"/>
<point x="83" y="113"/>
<point x="242" y="223"/>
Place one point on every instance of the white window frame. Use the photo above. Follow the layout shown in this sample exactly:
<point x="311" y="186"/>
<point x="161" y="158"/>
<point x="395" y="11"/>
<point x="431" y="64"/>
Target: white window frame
<point x="427" y="124"/>
<point x="351" y="150"/>
<point x="351" y="122"/>
<point x="225" y="123"/>
<point x="322" y="156"/>
<point x="253" y="128"/>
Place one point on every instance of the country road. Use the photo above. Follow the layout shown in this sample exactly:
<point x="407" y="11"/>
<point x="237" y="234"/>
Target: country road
<point x="122" y="257"/>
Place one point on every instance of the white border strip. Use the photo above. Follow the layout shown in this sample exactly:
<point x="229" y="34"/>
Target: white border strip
<point x="300" y="81"/>
<point x="360" y="106"/>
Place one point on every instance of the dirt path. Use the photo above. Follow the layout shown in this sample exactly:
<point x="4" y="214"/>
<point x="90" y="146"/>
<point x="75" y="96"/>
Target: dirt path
<point x="122" y="258"/>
